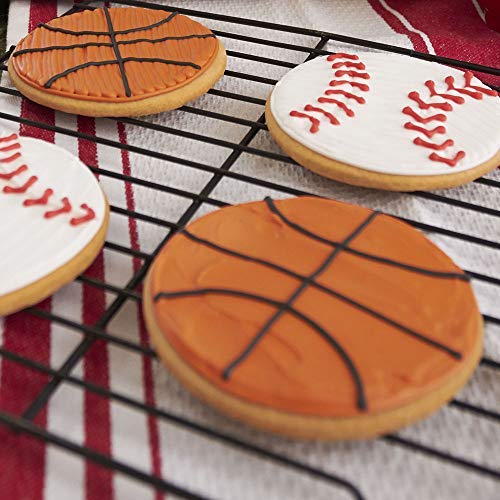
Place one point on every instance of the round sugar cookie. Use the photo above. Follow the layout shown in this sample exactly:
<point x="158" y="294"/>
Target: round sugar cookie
<point x="386" y="121"/>
<point x="117" y="62"/>
<point x="313" y="318"/>
<point x="54" y="222"/>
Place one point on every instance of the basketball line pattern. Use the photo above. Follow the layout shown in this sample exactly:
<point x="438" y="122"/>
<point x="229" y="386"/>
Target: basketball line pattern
<point x="276" y="267"/>
<point x="301" y="288"/>
<point x="116" y="50"/>
<point x="105" y="44"/>
<point x="120" y="61"/>
<point x="376" y="258"/>
<point x="287" y="307"/>
<point x="106" y="33"/>
<point x="326" y="289"/>
<point x="361" y="399"/>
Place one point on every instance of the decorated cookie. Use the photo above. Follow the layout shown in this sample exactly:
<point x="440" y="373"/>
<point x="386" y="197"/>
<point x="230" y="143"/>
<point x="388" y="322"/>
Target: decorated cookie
<point x="117" y="62"/>
<point x="313" y="318"/>
<point x="53" y="224"/>
<point x="386" y="121"/>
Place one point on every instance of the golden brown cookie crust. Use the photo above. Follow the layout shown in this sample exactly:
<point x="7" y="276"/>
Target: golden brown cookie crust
<point x="48" y="285"/>
<point x="149" y="105"/>
<point x="300" y="426"/>
<point x="360" y="177"/>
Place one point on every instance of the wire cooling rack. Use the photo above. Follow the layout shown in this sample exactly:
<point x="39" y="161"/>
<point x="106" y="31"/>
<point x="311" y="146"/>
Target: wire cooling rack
<point x="96" y="333"/>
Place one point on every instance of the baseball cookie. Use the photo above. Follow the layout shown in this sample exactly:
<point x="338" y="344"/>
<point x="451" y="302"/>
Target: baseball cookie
<point x="386" y="121"/>
<point x="117" y="62"/>
<point x="313" y="318"/>
<point x="54" y="220"/>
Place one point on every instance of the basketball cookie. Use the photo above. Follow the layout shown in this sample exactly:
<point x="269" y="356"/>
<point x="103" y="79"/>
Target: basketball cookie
<point x="386" y="121"/>
<point x="313" y="318"/>
<point x="54" y="220"/>
<point x="117" y="62"/>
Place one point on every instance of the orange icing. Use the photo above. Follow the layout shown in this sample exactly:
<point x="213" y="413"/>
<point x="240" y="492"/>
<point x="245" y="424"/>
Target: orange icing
<point x="105" y="83"/>
<point x="292" y="368"/>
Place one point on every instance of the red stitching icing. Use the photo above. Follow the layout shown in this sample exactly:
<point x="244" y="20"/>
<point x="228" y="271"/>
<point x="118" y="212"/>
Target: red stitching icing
<point x="357" y="98"/>
<point x="43" y="200"/>
<point x="450" y="81"/>
<point x="352" y="74"/>
<point x="11" y="137"/>
<point x="315" y="123"/>
<point x="89" y="215"/>
<point x="427" y="133"/>
<point x="16" y="145"/>
<point x="10" y="159"/>
<point x="63" y="210"/>
<point x="449" y="161"/>
<point x="21" y="189"/>
<point x="348" y="111"/>
<point x="476" y="93"/>
<point x="15" y="172"/>
<point x="332" y="118"/>
<point x="420" y="119"/>
<point x="468" y="79"/>
<point x="347" y="64"/>
<point x="438" y="147"/>
<point x="432" y="89"/>
<point x="342" y="55"/>
<point x="415" y="96"/>
<point x="360" y="86"/>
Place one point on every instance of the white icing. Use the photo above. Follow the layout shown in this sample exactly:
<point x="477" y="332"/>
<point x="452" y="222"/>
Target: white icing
<point x="375" y="138"/>
<point x="31" y="246"/>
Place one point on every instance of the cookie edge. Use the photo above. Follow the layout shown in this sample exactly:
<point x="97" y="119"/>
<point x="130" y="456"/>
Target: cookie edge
<point x="147" y="106"/>
<point x="48" y="285"/>
<point x="356" y="176"/>
<point x="301" y="426"/>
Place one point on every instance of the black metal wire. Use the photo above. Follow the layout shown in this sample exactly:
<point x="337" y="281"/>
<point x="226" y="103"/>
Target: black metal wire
<point x="26" y="426"/>
<point x="122" y="294"/>
<point x="315" y="33"/>
<point x="183" y="422"/>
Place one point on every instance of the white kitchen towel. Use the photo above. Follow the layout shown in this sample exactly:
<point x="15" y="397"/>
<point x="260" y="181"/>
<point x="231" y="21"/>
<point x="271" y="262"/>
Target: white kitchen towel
<point x="381" y="469"/>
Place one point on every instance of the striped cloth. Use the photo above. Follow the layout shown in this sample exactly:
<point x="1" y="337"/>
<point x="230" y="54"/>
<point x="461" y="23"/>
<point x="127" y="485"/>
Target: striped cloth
<point x="31" y="469"/>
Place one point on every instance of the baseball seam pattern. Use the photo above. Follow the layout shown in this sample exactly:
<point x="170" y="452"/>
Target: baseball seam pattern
<point x="7" y="146"/>
<point x="446" y="105"/>
<point x="359" y="72"/>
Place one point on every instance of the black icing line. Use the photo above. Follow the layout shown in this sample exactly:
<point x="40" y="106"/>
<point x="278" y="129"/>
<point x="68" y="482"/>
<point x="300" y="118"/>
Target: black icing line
<point x="165" y="39"/>
<point x="101" y="33"/>
<point x="303" y="286"/>
<point x="105" y="44"/>
<point x="361" y="399"/>
<point x="112" y="33"/>
<point x="116" y="50"/>
<point x="62" y="47"/>
<point x="359" y="253"/>
<point x="332" y="292"/>
<point x="149" y="27"/>
<point x="287" y="307"/>
<point x="51" y="80"/>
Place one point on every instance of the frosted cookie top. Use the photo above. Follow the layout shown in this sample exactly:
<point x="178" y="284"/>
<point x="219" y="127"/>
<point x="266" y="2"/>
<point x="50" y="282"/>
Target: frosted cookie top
<point x="314" y="307"/>
<point x="389" y="113"/>
<point x="55" y="208"/>
<point x="115" y="54"/>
